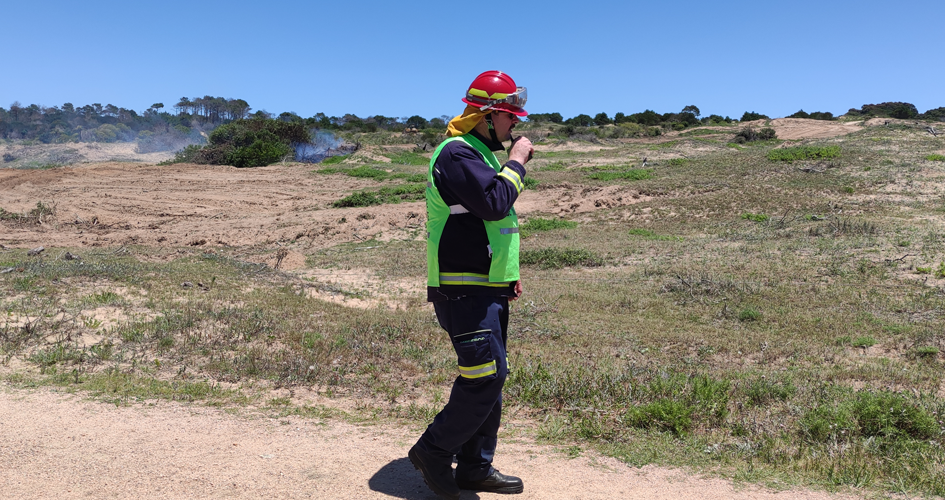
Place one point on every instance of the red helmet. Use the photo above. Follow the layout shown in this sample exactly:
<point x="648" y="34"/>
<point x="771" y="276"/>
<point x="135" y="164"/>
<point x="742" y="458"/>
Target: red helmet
<point x="497" y="90"/>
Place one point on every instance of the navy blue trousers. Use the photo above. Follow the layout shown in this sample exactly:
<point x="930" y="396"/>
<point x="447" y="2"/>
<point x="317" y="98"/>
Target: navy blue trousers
<point x="469" y="423"/>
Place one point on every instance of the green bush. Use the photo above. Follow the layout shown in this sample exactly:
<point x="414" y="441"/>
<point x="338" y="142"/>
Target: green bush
<point x="889" y="414"/>
<point x="935" y="157"/>
<point x="824" y="424"/>
<point x="749" y="134"/>
<point x="804" y="153"/>
<point x="556" y="258"/>
<point x="247" y="143"/>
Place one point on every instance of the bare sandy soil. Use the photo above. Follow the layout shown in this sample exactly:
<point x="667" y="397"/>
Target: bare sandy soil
<point x="114" y="204"/>
<point x="59" y="446"/>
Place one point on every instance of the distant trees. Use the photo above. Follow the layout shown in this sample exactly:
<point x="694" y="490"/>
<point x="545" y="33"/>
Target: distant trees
<point x="902" y="110"/>
<point x="751" y="115"/>
<point x="816" y="115"/>
<point x="545" y="118"/>
<point x="213" y="109"/>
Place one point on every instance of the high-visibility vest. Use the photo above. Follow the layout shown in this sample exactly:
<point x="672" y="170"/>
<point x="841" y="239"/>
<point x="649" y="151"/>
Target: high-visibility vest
<point x="503" y="234"/>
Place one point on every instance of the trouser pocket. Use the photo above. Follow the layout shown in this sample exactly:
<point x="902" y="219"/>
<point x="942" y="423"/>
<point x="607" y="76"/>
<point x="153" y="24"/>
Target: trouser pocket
<point x="476" y="355"/>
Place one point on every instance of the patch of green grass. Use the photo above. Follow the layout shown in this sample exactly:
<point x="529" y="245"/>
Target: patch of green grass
<point x="334" y="160"/>
<point x="926" y="351"/>
<point x="529" y="182"/>
<point x="661" y="415"/>
<point x="632" y="175"/>
<point x="407" y="158"/>
<point x="749" y="314"/>
<point x="556" y="258"/>
<point x="804" y="153"/>
<point x="537" y="224"/>
<point x="863" y="342"/>
<point x="650" y="235"/>
<point x="762" y="391"/>
<point x="755" y="217"/>
<point x="365" y="172"/>
<point x="383" y="196"/>
<point x="935" y="157"/>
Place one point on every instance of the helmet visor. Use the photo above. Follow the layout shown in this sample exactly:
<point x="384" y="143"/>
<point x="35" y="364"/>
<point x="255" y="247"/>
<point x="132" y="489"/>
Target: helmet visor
<point x="517" y="99"/>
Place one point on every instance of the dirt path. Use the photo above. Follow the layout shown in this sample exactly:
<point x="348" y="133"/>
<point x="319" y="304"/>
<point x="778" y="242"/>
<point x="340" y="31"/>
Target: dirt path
<point x="59" y="446"/>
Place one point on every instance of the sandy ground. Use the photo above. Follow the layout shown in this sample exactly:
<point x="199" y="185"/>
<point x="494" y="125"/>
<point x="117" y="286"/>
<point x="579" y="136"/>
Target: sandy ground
<point x="113" y="204"/>
<point x="59" y="446"/>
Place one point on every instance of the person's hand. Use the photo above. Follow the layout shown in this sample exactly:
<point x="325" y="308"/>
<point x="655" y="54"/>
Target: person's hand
<point x="522" y="150"/>
<point x="518" y="290"/>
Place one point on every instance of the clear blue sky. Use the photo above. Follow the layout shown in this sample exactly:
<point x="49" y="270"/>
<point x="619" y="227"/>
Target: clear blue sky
<point x="418" y="57"/>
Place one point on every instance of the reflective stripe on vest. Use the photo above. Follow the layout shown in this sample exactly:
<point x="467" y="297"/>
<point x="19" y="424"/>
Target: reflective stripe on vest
<point x="469" y="279"/>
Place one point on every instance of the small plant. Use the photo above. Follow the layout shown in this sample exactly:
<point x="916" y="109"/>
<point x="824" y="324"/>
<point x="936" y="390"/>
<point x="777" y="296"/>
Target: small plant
<point x="749" y="314"/>
<point x="940" y="271"/>
<point x="755" y="217"/>
<point x="935" y="157"/>
<point x="529" y="182"/>
<point x="923" y="270"/>
<point x="847" y="189"/>
<point x="662" y="415"/>
<point x="863" y="342"/>
<point x="926" y="351"/>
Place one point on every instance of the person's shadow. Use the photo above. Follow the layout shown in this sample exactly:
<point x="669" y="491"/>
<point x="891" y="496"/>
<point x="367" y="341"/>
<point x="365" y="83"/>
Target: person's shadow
<point x="399" y="479"/>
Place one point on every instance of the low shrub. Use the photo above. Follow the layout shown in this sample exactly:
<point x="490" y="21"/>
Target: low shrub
<point x="804" y="153"/>
<point x="749" y="134"/>
<point x="935" y="157"/>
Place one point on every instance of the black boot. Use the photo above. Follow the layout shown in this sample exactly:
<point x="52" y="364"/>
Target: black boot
<point x="438" y="475"/>
<point x="497" y="482"/>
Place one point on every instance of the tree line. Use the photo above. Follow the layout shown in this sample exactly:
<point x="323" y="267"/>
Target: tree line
<point x="156" y="129"/>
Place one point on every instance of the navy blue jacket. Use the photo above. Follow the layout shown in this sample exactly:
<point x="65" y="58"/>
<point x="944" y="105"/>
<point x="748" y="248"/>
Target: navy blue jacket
<point x="463" y="178"/>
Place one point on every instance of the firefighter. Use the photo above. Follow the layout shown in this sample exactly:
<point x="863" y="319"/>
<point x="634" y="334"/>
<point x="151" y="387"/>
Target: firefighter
<point x="473" y="273"/>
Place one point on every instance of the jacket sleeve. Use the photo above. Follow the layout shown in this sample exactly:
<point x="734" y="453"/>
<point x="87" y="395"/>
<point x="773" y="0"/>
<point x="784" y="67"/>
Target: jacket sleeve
<point x="462" y="177"/>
